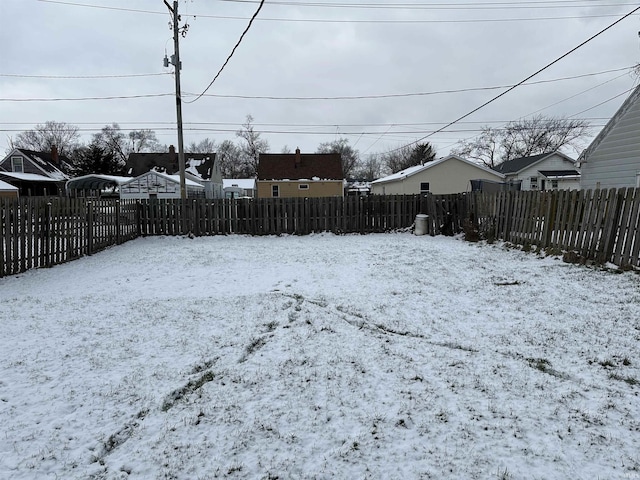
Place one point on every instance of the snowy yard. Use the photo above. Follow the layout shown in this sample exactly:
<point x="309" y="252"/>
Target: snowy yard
<point x="386" y="356"/>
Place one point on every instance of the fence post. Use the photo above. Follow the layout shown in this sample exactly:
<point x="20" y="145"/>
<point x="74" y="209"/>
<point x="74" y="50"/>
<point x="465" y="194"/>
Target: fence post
<point x="118" y="223"/>
<point x="47" y="234"/>
<point x="89" y="228"/>
<point x="550" y="220"/>
<point x="195" y="223"/>
<point x="138" y="218"/>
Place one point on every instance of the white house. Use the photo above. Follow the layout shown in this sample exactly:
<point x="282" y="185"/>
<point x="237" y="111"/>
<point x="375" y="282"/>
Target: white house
<point x="613" y="158"/>
<point x="547" y="171"/>
<point x="159" y="185"/>
<point x="239" y="187"/>
<point x="450" y="174"/>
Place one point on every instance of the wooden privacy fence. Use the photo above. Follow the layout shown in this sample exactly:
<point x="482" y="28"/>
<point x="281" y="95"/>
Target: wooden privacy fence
<point x="599" y="225"/>
<point x="602" y="225"/>
<point x="42" y="232"/>
<point x="276" y="216"/>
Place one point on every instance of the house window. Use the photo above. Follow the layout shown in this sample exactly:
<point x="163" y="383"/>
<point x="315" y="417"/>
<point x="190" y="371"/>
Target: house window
<point x="275" y="191"/>
<point x="638" y="179"/>
<point x="303" y="186"/>
<point x="424" y="187"/>
<point x="17" y="165"/>
<point x="554" y="184"/>
<point x="533" y="183"/>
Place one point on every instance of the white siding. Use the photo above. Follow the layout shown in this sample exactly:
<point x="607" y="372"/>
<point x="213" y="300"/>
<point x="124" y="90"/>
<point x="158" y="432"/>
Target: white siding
<point x="615" y="161"/>
<point x="553" y="162"/>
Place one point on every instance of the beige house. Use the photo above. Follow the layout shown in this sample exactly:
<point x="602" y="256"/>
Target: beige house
<point x="450" y="174"/>
<point x="286" y="175"/>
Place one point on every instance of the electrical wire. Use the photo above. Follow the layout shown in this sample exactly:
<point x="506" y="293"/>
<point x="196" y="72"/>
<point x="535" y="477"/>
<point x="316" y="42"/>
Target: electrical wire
<point x="522" y="81"/>
<point x="343" y="97"/>
<point x="404" y="95"/>
<point x="231" y="54"/>
<point x="82" y="77"/>
<point x="80" y="99"/>
<point x="437" y="6"/>
<point x="339" y="21"/>
<point x="606" y="101"/>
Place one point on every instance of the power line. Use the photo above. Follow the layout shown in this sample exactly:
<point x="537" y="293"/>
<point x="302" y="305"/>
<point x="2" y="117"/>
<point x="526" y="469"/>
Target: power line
<point x="81" y="99"/>
<point x="415" y="94"/>
<point x="438" y="6"/>
<point x="577" y="94"/>
<point x="82" y="77"/>
<point x="606" y="101"/>
<point x="231" y="54"/>
<point x="523" y="81"/>
<point x="343" y="97"/>
<point x="347" y="21"/>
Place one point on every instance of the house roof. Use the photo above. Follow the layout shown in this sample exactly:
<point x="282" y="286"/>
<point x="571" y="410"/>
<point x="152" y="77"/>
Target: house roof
<point x="556" y="174"/>
<point x="29" y="177"/>
<point x="517" y="164"/>
<point x="46" y="162"/>
<point x="5" y="187"/>
<point x="197" y="164"/>
<point x="407" y="172"/>
<point x="624" y="108"/>
<point x="298" y="166"/>
<point x="171" y="178"/>
<point x="95" y="182"/>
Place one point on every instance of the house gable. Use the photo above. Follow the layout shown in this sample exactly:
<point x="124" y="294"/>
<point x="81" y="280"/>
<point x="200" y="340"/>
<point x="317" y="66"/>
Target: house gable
<point x="37" y="163"/>
<point x="450" y="174"/>
<point x="612" y="160"/>
<point x="528" y="171"/>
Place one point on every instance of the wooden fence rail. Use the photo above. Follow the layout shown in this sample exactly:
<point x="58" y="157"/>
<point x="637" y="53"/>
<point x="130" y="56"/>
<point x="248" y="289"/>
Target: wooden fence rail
<point x="603" y="225"/>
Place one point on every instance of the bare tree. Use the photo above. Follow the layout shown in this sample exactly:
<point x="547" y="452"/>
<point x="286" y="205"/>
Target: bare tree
<point x="112" y="140"/>
<point x="63" y="136"/>
<point x="523" y="138"/>
<point x="143" y="141"/>
<point x="228" y="155"/>
<point x="206" y="145"/>
<point x="369" y="169"/>
<point x="251" y="147"/>
<point x="350" y="156"/>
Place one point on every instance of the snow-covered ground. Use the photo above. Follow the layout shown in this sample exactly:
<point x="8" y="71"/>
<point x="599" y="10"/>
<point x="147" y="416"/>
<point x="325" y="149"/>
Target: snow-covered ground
<point x="381" y="356"/>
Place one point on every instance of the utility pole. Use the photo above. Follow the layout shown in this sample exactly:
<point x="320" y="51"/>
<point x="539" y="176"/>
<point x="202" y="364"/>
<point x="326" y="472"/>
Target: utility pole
<point x="175" y="61"/>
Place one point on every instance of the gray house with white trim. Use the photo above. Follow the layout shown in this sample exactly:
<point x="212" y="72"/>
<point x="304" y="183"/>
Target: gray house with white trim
<point x="547" y="171"/>
<point x="613" y="158"/>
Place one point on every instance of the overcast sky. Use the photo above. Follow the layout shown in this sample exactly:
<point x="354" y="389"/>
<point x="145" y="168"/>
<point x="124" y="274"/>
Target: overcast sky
<point x="324" y="49"/>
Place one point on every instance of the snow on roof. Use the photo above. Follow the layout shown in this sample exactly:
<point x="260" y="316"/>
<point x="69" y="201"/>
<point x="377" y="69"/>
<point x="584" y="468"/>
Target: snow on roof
<point x="93" y="181"/>
<point x="245" y="183"/>
<point x="407" y="172"/>
<point x="4" y="186"/>
<point x="32" y="177"/>
<point x="172" y="178"/>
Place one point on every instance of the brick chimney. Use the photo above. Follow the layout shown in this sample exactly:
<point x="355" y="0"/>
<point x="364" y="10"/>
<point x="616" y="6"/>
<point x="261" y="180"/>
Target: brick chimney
<point x="297" y="157"/>
<point x="54" y="155"/>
